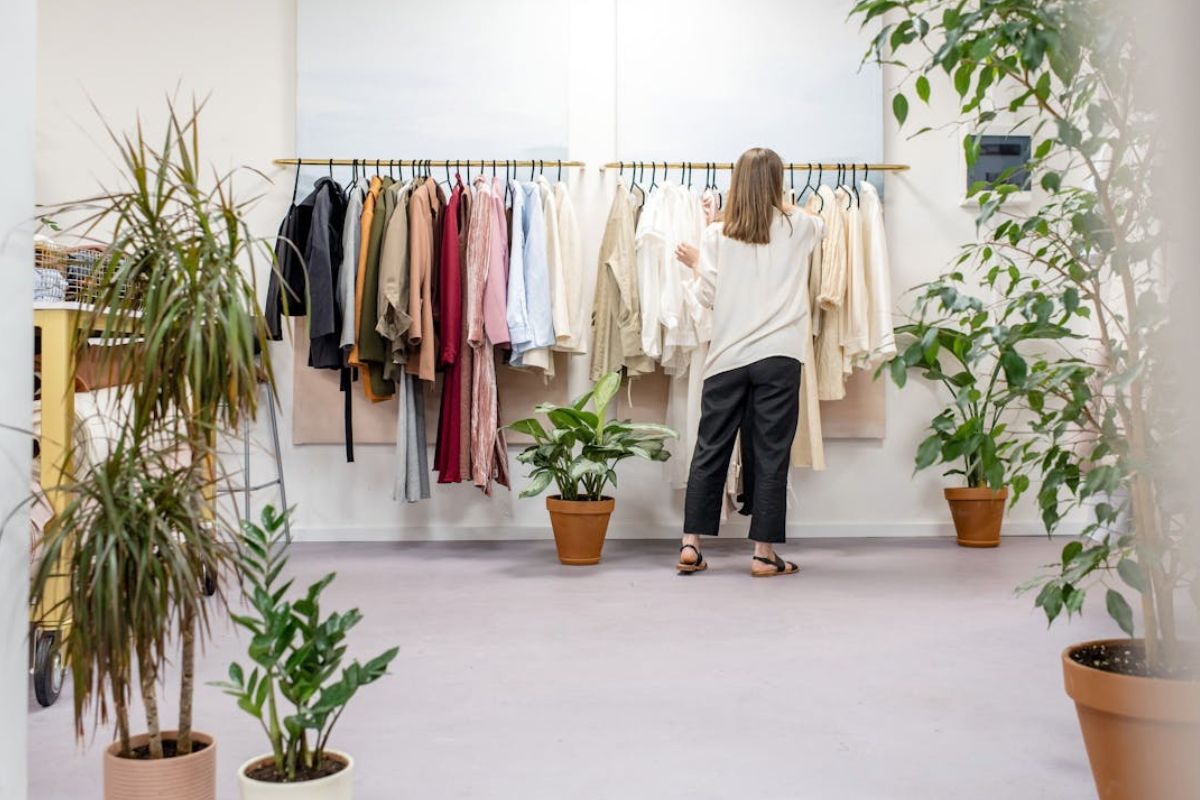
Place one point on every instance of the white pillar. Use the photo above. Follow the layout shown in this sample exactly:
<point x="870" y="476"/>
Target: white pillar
<point x="17" y="45"/>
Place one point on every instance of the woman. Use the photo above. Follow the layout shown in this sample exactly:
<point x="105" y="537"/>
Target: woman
<point x="752" y="271"/>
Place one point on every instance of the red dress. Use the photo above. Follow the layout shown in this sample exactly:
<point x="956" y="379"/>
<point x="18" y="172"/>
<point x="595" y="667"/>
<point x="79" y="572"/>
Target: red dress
<point x="446" y="452"/>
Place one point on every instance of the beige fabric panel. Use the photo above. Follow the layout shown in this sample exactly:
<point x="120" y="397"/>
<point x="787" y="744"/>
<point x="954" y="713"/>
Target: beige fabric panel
<point x="317" y="416"/>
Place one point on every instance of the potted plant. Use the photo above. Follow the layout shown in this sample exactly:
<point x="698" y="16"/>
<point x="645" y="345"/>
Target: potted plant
<point x="978" y="355"/>
<point x="1106" y="436"/>
<point x="298" y="684"/>
<point x="134" y="544"/>
<point x="175" y="285"/>
<point x="579" y="455"/>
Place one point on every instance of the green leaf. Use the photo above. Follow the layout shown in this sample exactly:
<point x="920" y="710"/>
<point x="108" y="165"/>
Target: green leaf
<point x="1052" y="182"/>
<point x="1043" y="149"/>
<point x="971" y="148"/>
<point x="962" y="78"/>
<point x="1119" y="610"/>
<point x="1132" y="573"/>
<point x="530" y="427"/>
<point x="1070" y="551"/>
<point x="899" y="372"/>
<point x="928" y="452"/>
<point x="900" y="107"/>
<point x="923" y="88"/>
<point x="603" y="392"/>
<point x="538" y="485"/>
<point x="1015" y="368"/>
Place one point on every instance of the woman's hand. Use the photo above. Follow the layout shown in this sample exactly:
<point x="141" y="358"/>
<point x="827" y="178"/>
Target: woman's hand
<point x="687" y="255"/>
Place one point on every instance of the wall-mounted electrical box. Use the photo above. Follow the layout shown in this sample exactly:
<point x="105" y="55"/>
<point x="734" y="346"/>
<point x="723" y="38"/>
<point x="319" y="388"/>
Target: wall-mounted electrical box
<point x="998" y="154"/>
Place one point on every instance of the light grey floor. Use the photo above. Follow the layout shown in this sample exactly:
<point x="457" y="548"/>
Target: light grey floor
<point x="890" y="669"/>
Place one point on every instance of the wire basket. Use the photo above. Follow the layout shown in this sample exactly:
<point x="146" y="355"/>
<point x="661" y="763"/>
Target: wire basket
<point x="71" y="274"/>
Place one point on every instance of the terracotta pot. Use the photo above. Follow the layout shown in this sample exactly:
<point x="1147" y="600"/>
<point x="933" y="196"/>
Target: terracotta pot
<point x="338" y="786"/>
<point x="1142" y="734"/>
<point x="579" y="528"/>
<point x="977" y="515"/>
<point x="190" y="777"/>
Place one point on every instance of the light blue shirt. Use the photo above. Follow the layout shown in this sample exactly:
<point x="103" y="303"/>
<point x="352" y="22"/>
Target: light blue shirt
<point x="533" y="312"/>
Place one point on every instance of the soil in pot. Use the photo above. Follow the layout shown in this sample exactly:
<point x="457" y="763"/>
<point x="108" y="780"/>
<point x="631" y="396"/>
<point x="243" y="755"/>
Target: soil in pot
<point x="978" y="513"/>
<point x="265" y="771"/>
<point x="579" y="528"/>
<point x="170" y="749"/>
<point x="1141" y="730"/>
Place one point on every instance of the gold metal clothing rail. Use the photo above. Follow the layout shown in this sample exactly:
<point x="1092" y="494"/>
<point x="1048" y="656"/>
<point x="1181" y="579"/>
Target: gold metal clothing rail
<point x="701" y="165"/>
<point x="474" y="163"/>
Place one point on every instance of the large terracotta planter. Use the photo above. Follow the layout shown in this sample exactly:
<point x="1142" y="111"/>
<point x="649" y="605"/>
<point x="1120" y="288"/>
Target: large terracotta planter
<point x="579" y="528"/>
<point x="978" y="514"/>
<point x="190" y="777"/>
<point x="338" y="786"/>
<point x="1142" y="734"/>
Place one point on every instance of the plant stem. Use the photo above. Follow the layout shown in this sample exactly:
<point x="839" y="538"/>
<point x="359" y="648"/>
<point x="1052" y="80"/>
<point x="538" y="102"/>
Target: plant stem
<point x="150" y="699"/>
<point x="187" y="664"/>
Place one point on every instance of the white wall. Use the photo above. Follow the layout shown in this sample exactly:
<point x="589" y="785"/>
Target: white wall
<point x="17" y="44"/>
<point x="244" y="53"/>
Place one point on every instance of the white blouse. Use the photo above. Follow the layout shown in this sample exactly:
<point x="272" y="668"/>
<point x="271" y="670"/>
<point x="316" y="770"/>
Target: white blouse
<point x="758" y="292"/>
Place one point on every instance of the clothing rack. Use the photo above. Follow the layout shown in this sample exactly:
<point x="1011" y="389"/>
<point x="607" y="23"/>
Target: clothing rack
<point x="539" y="163"/>
<point x="729" y="165"/>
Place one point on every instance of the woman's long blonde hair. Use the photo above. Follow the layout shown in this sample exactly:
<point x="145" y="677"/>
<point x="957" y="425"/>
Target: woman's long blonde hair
<point x="755" y="193"/>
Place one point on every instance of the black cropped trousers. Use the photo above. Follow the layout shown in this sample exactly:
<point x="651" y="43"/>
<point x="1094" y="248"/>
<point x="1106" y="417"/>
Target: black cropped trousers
<point x="762" y="401"/>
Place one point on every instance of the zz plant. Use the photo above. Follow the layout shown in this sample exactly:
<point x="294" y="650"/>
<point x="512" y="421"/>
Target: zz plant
<point x="1070" y="73"/>
<point x="580" y="451"/>
<point x="298" y="683"/>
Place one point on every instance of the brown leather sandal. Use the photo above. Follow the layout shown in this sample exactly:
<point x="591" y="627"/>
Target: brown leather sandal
<point x="781" y="567"/>
<point x="699" y="565"/>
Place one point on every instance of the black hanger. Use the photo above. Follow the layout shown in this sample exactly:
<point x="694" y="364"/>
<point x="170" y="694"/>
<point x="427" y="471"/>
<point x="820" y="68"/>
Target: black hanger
<point x="559" y="178"/>
<point x="854" y="184"/>
<point x="296" y="184"/>
<point x="653" y="175"/>
<point x="820" y="181"/>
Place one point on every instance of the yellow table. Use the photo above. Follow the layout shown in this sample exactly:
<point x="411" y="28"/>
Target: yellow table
<point x="50" y="621"/>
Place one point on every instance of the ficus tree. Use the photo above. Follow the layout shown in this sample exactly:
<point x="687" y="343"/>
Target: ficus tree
<point x="1090" y="254"/>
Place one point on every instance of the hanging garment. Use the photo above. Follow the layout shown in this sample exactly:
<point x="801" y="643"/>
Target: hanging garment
<point x="446" y="447"/>
<point x="348" y="272"/>
<point x="570" y="248"/>
<point x="485" y="253"/>
<point x="495" y="290"/>
<point x="424" y="209"/>
<point x="366" y="222"/>
<point x="530" y="318"/>
<point x="831" y="295"/>
<point x="559" y="303"/>
<point x="466" y="353"/>
<point x="808" y="447"/>
<point x="882" y="343"/>
<point x="856" y="321"/>
<point x="616" y="307"/>
<point x="684" y="326"/>
<point x="373" y="350"/>
<point x="650" y="245"/>
<point x="309" y="271"/>
<point x="394" y="318"/>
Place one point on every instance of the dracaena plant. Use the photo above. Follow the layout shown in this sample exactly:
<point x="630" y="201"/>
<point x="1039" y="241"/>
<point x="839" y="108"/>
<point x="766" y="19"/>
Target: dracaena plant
<point x="298" y="682"/>
<point x="987" y="359"/>
<point x="174" y="299"/>
<point x="1093" y="250"/>
<point x="581" y="449"/>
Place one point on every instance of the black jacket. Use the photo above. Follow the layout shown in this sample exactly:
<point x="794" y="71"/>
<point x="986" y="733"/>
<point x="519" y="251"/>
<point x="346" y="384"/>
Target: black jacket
<point x="308" y="254"/>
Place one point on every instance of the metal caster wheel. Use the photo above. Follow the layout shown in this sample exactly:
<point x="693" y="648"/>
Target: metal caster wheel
<point x="48" y="669"/>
